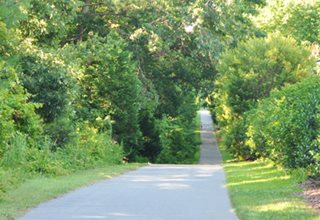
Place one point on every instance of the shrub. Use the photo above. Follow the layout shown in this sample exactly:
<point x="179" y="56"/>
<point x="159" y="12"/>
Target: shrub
<point x="174" y="146"/>
<point x="51" y="84"/>
<point x="16" y="113"/>
<point x="286" y="126"/>
<point x="90" y="148"/>
<point x="177" y="135"/>
<point x="249" y="73"/>
<point x="110" y="87"/>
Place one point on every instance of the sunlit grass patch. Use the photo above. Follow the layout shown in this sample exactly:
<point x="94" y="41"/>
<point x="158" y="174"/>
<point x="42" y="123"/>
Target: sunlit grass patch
<point x="260" y="190"/>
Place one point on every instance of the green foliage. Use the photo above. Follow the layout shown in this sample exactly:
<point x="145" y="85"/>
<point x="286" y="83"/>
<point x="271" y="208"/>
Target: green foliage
<point x="5" y="44"/>
<point x="286" y="126"/>
<point x="90" y="148"/>
<point x="248" y="74"/>
<point x="16" y="113"/>
<point x="8" y="180"/>
<point x="11" y="12"/>
<point x="110" y="87"/>
<point x="103" y="79"/>
<point x="297" y="19"/>
<point x="177" y="134"/>
<point x="48" y="22"/>
<point x="50" y="83"/>
<point x="303" y="23"/>
<point x="16" y="152"/>
<point x="151" y="140"/>
<point x="177" y="141"/>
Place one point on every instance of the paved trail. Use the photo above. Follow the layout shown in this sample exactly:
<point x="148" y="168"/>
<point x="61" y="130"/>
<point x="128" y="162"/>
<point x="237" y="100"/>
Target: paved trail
<point x="157" y="192"/>
<point x="209" y="153"/>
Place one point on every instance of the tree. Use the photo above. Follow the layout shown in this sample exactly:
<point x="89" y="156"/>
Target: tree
<point x="248" y="74"/>
<point x="292" y="18"/>
<point x="17" y="113"/>
<point x="110" y="87"/>
<point x="48" y="80"/>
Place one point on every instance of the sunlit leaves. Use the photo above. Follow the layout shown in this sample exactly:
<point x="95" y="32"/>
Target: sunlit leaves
<point x="295" y="18"/>
<point x="248" y="74"/>
<point x="17" y="114"/>
<point x="285" y="127"/>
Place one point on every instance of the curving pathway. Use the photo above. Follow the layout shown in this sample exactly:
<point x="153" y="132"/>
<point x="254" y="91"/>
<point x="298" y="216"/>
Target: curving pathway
<point x="156" y="192"/>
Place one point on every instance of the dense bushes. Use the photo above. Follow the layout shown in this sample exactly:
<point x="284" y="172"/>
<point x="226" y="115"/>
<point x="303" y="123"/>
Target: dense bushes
<point x="17" y="114"/>
<point x="286" y="126"/>
<point x="177" y="135"/>
<point x="110" y="87"/>
<point x="88" y="150"/>
<point x="49" y="82"/>
<point x="248" y="74"/>
<point x="177" y="140"/>
<point x="267" y="102"/>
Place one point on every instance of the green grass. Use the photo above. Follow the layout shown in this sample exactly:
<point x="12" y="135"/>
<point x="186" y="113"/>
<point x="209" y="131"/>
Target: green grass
<point x="39" y="189"/>
<point x="198" y="138"/>
<point x="259" y="190"/>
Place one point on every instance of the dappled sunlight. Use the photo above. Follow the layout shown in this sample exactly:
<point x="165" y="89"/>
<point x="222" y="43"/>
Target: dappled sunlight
<point x="102" y="174"/>
<point x="277" y="206"/>
<point x="258" y="175"/>
<point x="204" y="175"/>
<point x="266" y="166"/>
<point x="206" y="132"/>
<point x="173" y="186"/>
<point x="158" y="179"/>
<point x="107" y="216"/>
<point x="198" y="174"/>
<point x="258" y="180"/>
<point x="246" y="164"/>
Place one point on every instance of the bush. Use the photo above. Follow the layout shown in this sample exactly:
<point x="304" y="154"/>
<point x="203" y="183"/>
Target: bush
<point x="87" y="149"/>
<point x="16" y="113"/>
<point x="90" y="148"/>
<point x="110" y="87"/>
<point x="50" y="82"/>
<point x="177" y="134"/>
<point x="175" y="146"/>
<point x="249" y="73"/>
<point x="286" y="126"/>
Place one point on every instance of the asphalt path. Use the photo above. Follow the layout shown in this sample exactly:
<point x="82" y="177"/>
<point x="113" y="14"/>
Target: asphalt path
<point x="155" y="192"/>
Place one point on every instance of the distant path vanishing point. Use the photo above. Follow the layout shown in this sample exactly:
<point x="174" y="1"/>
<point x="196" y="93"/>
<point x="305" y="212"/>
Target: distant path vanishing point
<point x="156" y="192"/>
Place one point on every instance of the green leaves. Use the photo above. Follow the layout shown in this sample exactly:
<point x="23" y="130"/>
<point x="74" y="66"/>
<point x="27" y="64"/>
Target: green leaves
<point x="123" y="68"/>
<point x="248" y="74"/>
<point x="293" y="18"/>
<point x="17" y="114"/>
<point x="286" y="126"/>
<point x="49" y="22"/>
<point x="110" y="87"/>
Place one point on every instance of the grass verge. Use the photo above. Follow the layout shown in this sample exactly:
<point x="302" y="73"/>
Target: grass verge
<point x="39" y="189"/>
<point x="259" y="190"/>
<point x="198" y="138"/>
